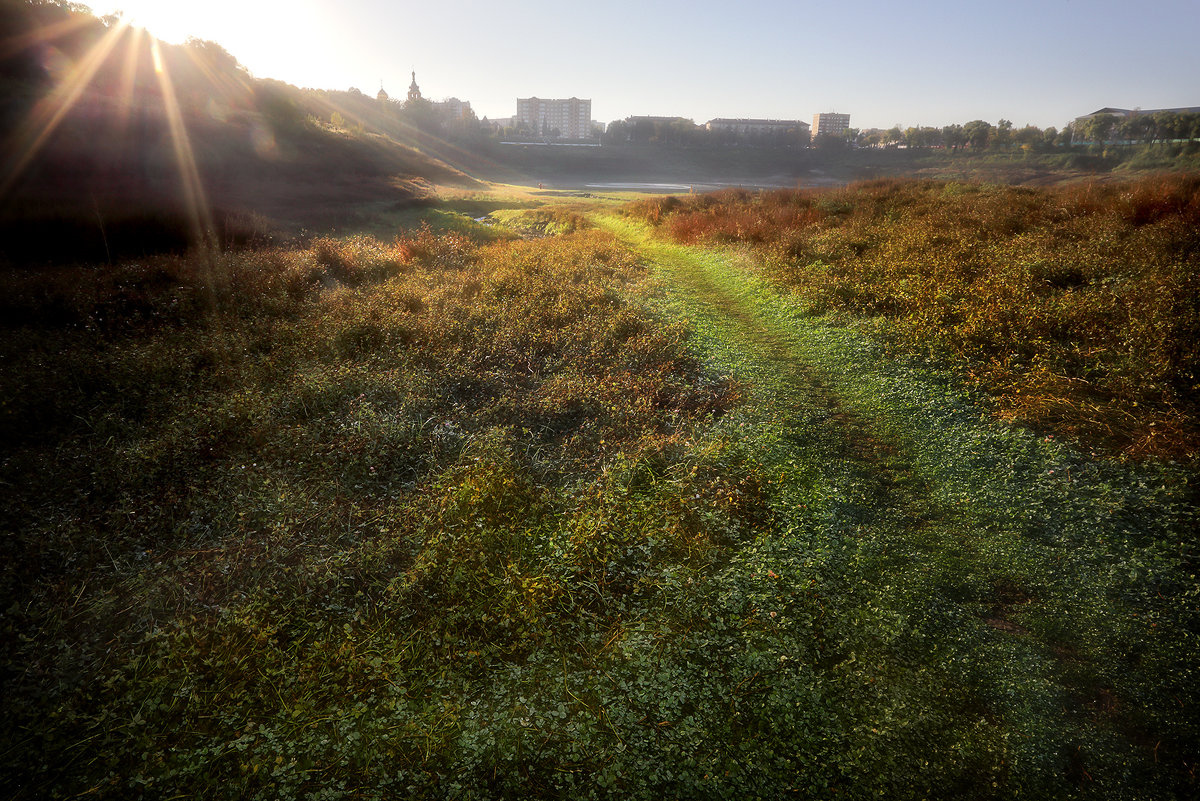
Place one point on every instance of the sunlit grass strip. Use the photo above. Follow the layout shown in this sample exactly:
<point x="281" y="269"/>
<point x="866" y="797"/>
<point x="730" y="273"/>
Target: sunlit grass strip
<point x="988" y="544"/>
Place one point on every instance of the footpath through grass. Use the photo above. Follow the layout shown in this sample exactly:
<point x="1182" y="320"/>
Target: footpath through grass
<point x="996" y="614"/>
<point x="552" y="518"/>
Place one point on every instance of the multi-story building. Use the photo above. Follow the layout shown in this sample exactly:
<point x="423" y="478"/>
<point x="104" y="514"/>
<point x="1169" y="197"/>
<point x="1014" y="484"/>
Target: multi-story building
<point x="453" y="108"/>
<point x="568" y="119"/>
<point x="830" y="124"/>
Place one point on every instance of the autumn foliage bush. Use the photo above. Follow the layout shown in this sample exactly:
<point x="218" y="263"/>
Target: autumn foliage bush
<point x="1077" y="308"/>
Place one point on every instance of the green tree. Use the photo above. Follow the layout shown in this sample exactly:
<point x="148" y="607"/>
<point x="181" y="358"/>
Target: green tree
<point x="1098" y="129"/>
<point x="874" y="137"/>
<point x="1028" y="136"/>
<point x="829" y="142"/>
<point x="1002" y="135"/>
<point x="953" y="137"/>
<point x="1138" y="128"/>
<point x="1193" y="126"/>
<point x="421" y="114"/>
<point x="977" y="133"/>
<point x="617" y="133"/>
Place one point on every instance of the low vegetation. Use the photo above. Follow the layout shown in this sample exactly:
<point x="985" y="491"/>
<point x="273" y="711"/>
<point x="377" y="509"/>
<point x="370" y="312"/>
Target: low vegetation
<point x="545" y="221"/>
<point x="431" y="518"/>
<point x="343" y="517"/>
<point x="1077" y="308"/>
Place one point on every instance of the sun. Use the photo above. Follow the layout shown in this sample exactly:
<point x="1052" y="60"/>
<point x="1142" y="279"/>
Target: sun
<point x="267" y="37"/>
<point x="171" y="21"/>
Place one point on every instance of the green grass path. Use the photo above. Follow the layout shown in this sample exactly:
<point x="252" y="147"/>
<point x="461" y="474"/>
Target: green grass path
<point x="993" y="608"/>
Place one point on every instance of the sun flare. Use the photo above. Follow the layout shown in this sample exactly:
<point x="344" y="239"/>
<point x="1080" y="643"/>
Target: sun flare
<point x="267" y="37"/>
<point x="169" y="20"/>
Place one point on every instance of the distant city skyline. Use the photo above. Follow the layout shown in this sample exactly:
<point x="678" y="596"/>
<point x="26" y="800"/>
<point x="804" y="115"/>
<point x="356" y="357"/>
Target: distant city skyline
<point x="1042" y="63"/>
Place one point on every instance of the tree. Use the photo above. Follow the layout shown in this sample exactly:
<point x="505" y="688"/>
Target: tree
<point x="420" y="114"/>
<point x="1002" y="136"/>
<point x="278" y="103"/>
<point x="1099" y="128"/>
<point x="977" y="133"/>
<point x="1028" y="136"/>
<point x="827" y="141"/>
<point x="953" y="137"/>
<point x="874" y="137"/>
<point x="617" y="133"/>
<point x="1193" y="128"/>
<point x="215" y="58"/>
<point x="1138" y="128"/>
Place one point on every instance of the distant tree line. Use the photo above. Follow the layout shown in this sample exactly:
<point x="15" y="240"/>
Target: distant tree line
<point x="980" y="135"/>
<point x="976" y="135"/>
<point x="1157" y="127"/>
<point x="683" y="132"/>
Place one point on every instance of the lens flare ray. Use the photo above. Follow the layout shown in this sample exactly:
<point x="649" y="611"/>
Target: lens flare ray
<point x="49" y="113"/>
<point x="199" y="217"/>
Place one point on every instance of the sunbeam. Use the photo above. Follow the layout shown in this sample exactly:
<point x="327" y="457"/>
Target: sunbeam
<point x="46" y="116"/>
<point x="199" y="217"/>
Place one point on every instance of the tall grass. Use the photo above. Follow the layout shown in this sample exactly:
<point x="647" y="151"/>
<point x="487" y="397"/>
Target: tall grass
<point x="1076" y="307"/>
<point x="425" y="518"/>
<point x="267" y="512"/>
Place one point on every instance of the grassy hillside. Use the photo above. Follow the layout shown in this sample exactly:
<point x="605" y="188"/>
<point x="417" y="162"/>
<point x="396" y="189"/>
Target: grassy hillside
<point x="121" y="146"/>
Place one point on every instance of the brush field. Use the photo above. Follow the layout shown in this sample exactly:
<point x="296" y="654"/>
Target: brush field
<point x="1077" y="308"/>
<point x="739" y="512"/>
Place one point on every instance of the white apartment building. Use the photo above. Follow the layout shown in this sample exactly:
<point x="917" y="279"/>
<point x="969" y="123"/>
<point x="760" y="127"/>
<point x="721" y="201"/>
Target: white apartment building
<point x="830" y="124"/>
<point x="571" y="118"/>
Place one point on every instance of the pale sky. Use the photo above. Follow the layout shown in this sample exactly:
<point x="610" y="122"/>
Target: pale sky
<point x="934" y="62"/>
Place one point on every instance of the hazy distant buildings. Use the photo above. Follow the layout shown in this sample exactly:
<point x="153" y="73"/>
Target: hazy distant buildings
<point x="830" y="124"/>
<point x="570" y="118"/>
<point x="754" y="127"/>
<point x="453" y="108"/>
